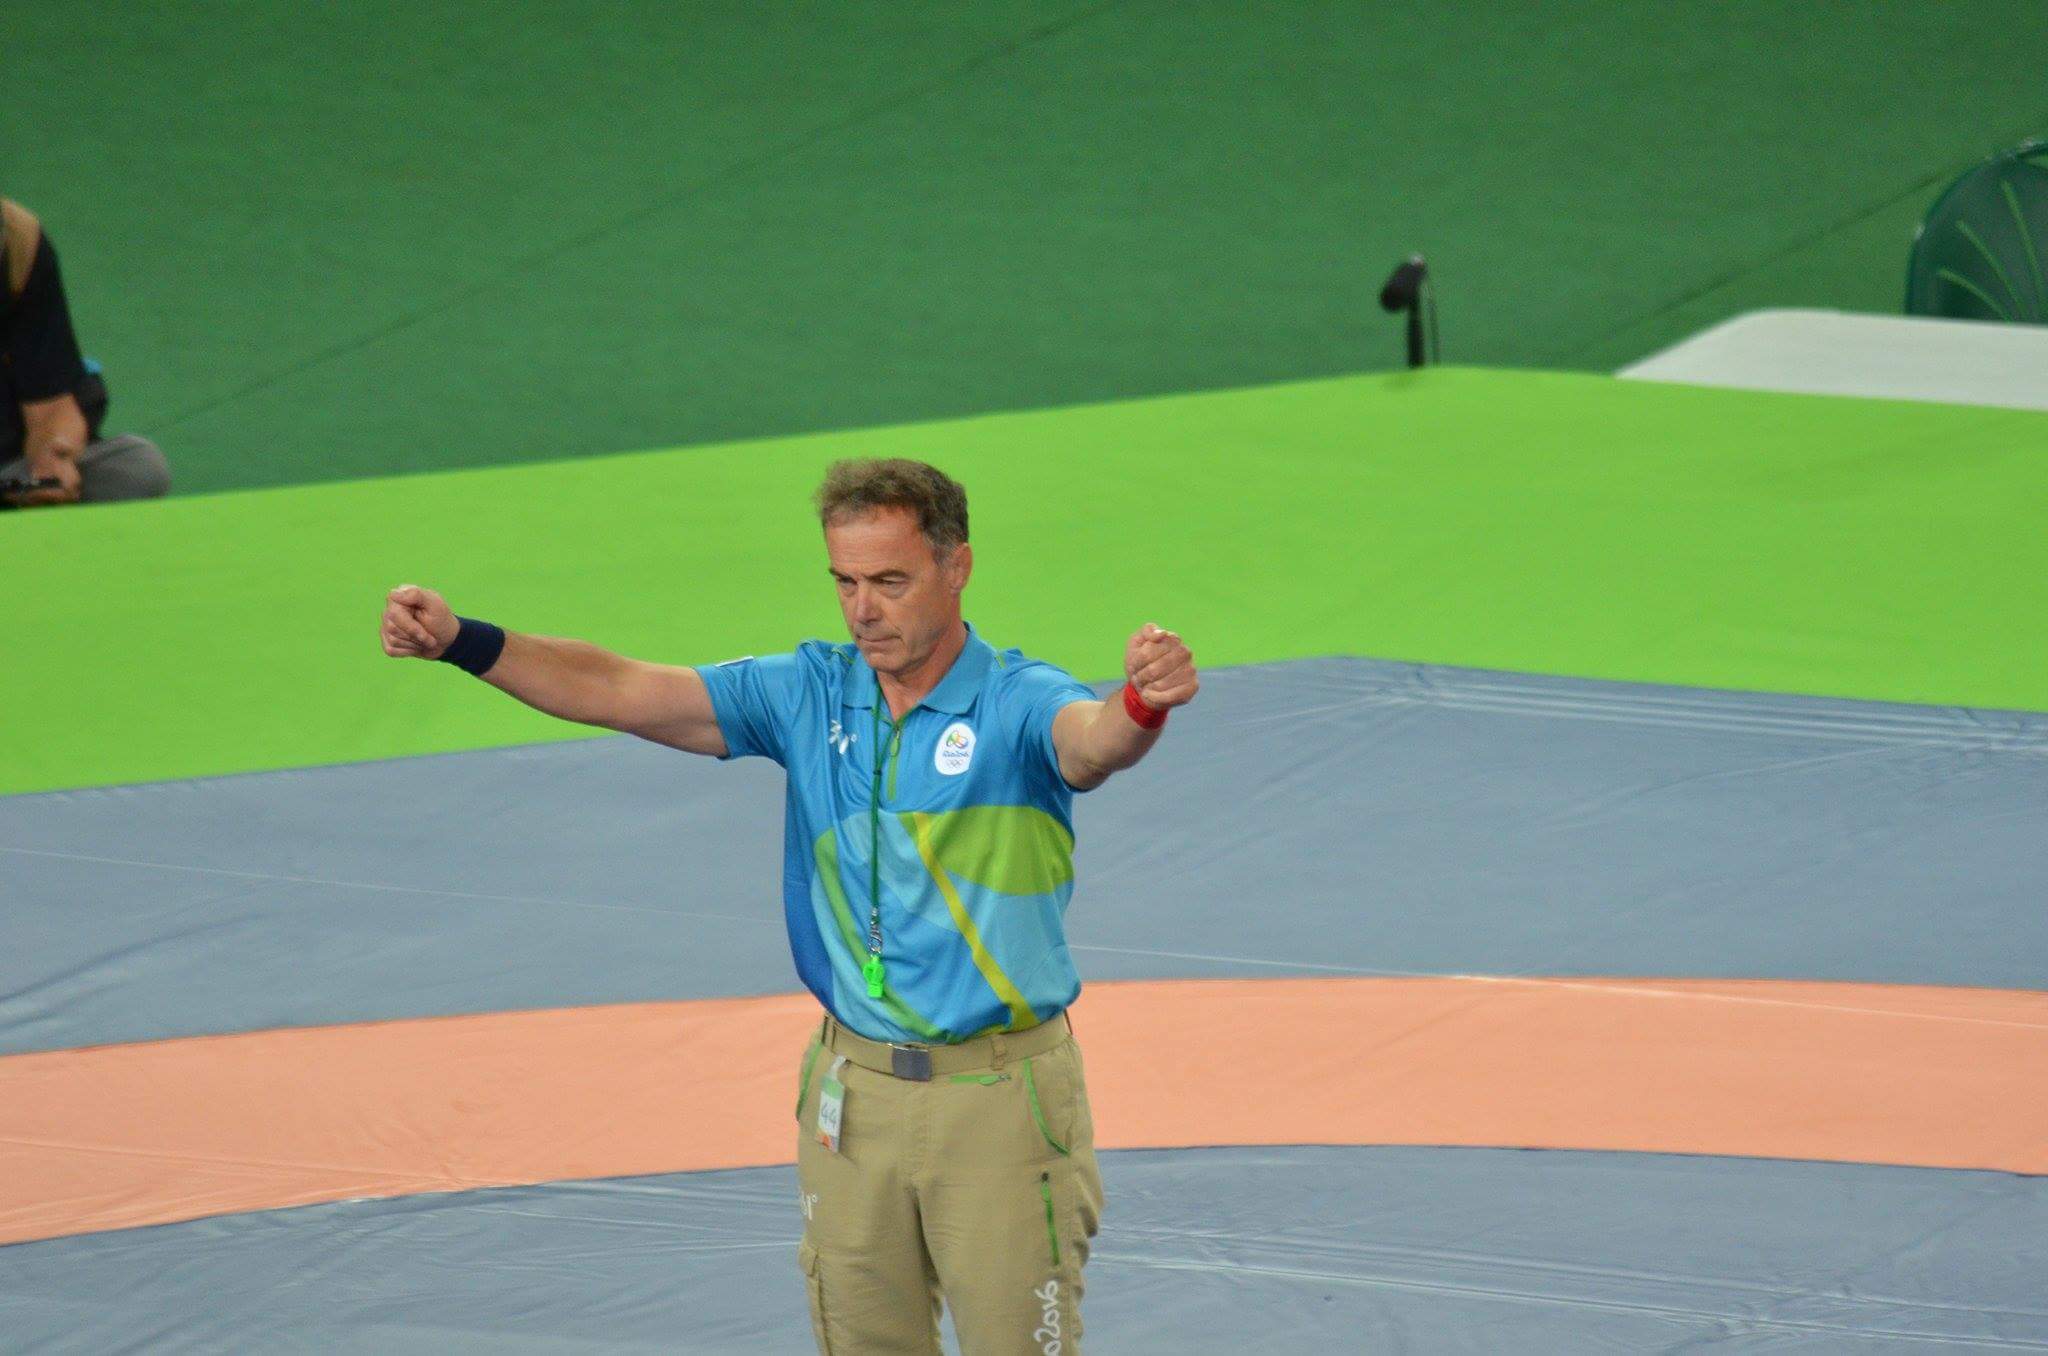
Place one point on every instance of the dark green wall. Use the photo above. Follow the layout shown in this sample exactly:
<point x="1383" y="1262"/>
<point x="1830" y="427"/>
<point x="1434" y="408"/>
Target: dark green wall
<point x="324" y="241"/>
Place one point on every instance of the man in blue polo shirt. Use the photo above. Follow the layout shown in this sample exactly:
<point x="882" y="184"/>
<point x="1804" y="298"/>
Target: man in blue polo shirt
<point x="945" y="1145"/>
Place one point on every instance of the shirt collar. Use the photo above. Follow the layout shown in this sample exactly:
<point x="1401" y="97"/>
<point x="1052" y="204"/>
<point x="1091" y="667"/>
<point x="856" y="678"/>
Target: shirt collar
<point x="955" y="692"/>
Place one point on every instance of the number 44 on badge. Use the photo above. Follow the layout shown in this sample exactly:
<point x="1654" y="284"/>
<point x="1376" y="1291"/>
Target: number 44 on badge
<point x="831" y="1106"/>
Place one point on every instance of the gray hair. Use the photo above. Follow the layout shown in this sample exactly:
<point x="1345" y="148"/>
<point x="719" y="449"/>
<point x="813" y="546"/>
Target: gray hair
<point x="864" y="484"/>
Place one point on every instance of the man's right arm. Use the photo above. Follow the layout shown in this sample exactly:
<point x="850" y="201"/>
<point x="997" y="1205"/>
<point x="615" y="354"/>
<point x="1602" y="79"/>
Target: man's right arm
<point x="570" y="679"/>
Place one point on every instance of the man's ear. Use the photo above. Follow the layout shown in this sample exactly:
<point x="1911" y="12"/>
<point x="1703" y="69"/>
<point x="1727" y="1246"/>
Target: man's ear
<point x="961" y="566"/>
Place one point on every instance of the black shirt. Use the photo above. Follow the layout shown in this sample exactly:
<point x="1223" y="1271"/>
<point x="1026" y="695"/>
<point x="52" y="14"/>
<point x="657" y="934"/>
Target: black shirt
<point x="39" y="356"/>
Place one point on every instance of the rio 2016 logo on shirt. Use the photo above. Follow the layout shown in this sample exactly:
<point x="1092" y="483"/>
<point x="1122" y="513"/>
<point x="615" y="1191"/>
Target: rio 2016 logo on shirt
<point x="956" y="749"/>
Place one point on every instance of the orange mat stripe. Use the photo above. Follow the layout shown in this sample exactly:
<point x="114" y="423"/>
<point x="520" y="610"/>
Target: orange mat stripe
<point x="118" y="1136"/>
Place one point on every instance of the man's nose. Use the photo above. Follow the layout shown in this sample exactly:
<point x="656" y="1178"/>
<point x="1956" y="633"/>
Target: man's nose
<point x="866" y="606"/>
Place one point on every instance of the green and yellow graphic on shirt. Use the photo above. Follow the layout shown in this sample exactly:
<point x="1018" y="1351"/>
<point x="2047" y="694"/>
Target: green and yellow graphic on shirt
<point x="945" y="833"/>
<point x="974" y="899"/>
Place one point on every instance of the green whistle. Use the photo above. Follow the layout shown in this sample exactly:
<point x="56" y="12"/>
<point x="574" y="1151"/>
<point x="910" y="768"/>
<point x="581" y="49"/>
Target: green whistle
<point x="872" y="968"/>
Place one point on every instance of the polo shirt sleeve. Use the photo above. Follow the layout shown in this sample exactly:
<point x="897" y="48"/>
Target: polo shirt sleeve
<point x="756" y="702"/>
<point x="1039" y="691"/>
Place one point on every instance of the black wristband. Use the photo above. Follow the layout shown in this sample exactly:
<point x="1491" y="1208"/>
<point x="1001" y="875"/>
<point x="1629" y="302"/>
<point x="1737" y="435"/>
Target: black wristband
<point x="476" y="646"/>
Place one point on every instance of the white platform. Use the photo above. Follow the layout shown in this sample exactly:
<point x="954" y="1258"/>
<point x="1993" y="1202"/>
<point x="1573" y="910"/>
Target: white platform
<point x="1960" y="362"/>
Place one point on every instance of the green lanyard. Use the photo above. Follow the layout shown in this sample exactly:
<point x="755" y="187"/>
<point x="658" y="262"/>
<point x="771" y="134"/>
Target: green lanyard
<point x="871" y="968"/>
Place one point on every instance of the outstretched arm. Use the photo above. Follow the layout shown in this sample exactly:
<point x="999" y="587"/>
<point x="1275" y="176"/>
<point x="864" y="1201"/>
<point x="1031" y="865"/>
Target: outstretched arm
<point x="1095" y="739"/>
<point x="571" y="679"/>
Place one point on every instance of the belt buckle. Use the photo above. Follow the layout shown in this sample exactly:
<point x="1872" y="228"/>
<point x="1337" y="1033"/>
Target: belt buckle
<point x="911" y="1061"/>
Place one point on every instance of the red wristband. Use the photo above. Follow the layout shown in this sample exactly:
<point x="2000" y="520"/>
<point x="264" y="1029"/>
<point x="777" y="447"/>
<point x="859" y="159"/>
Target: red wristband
<point x="1147" y="717"/>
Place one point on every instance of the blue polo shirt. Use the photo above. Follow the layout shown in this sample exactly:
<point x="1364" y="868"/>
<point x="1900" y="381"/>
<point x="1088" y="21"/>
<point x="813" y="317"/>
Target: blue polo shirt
<point x="955" y="818"/>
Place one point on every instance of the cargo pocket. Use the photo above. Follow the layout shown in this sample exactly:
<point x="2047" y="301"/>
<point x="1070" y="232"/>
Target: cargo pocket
<point x="1083" y="1124"/>
<point x="1039" y="1105"/>
<point x="807" y="1258"/>
<point x="1052" y="1226"/>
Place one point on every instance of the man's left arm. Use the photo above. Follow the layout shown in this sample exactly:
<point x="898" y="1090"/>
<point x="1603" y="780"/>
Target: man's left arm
<point x="42" y="356"/>
<point x="1096" y="738"/>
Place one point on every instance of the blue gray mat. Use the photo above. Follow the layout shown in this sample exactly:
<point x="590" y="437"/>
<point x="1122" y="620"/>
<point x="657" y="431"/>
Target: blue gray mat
<point x="1311" y="1250"/>
<point x="1329" y="816"/>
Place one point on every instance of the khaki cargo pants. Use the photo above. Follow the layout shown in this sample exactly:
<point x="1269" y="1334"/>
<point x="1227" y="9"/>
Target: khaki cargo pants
<point x="978" y="1184"/>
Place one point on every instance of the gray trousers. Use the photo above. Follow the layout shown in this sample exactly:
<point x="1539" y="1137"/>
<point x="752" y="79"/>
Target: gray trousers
<point x="126" y="466"/>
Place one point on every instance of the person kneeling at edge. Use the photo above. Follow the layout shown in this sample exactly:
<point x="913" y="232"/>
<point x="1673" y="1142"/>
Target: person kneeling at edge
<point x="51" y="399"/>
<point x="944" y="1144"/>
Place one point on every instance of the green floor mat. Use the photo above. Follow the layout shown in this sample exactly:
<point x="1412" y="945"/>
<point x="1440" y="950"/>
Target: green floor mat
<point x="1546" y="522"/>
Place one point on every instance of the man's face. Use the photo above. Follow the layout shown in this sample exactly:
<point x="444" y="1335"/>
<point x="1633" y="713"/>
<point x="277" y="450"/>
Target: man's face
<point x="899" y="601"/>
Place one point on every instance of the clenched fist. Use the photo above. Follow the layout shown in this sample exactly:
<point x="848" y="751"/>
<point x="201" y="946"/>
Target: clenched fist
<point x="417" y="623"/>
<point x="1161" y="668"/>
